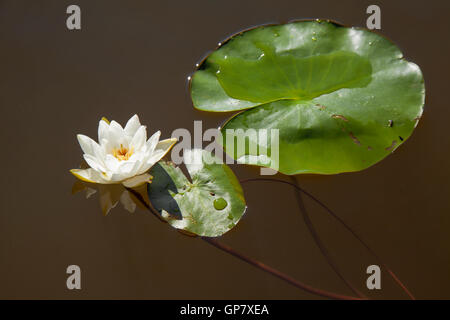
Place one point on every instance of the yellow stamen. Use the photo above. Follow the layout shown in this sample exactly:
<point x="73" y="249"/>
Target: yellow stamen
<point x="122" y="153"/>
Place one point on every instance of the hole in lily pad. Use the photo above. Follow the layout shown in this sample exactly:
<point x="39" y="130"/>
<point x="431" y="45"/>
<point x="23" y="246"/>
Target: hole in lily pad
<point x="391" y="147"/>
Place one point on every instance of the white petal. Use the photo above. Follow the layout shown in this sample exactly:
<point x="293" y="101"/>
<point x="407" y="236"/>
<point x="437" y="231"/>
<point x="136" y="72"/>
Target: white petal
<point x="111" y="162"/>
<point x="150" y="161"/>
<point x="117" y="135"/>
<point x="139" y="138"/>
<point x="94" y="163"/>
<point x="166" y="145"/>
<point x="103" y="131"/>
<point x="153" y="141"/>
<point x="132" y="125"/>
<point x="90" y="175"/>
<point x="88" y="145"/>
<point x="161" y="149"/>
<point x="126" y="168"/>
<point x="136" y="181"/>
<point x="137" y="156"/>
<point x="155" y="157"/>
<point x="137" y="165"/>
<point x="118" y="177"/>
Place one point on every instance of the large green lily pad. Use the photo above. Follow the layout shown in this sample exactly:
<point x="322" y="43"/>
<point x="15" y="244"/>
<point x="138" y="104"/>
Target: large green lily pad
<point x="209" y="204"/>
<point x="342" y="98"/>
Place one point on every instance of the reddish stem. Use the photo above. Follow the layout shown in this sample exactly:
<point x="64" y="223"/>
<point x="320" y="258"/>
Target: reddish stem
<point x="254" y="262"/>
<point x="341" y="221"/>
<point x="277" y="273"/>
<point x="323" y="249"/>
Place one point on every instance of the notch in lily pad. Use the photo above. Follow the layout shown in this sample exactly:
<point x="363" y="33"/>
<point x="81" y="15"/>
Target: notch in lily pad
<point x="208" y="203"/>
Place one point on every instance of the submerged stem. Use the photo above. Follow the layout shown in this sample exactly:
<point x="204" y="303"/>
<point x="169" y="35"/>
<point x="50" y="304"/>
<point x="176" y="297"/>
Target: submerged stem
<point x="319" y="242"/>
<point x="144" y="203"/>
<point x="254" y="262"/>
<point x="342" y="222"/>
<point x="277" y="273"/>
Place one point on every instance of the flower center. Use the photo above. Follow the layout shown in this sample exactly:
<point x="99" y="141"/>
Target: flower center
<point x="122" y="153"/>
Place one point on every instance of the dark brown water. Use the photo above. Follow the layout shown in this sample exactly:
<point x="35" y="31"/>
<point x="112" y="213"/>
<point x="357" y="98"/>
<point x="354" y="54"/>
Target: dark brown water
<point x="134" y="57"/>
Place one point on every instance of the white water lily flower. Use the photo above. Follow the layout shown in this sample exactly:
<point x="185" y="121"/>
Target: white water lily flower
<point x="123" y="155"/>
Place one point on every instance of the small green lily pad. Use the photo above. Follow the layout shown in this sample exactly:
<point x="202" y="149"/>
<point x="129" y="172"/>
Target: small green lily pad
<point x="209" y="204"/>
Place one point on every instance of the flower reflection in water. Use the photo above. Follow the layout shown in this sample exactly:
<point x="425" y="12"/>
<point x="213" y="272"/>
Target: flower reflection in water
<point x="111" y="194"/>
